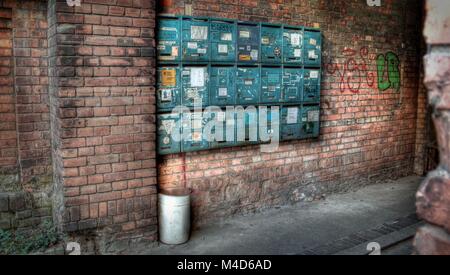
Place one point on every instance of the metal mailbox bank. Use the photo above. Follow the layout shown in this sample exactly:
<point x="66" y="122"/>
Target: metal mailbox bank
<point x="220" y="73"/>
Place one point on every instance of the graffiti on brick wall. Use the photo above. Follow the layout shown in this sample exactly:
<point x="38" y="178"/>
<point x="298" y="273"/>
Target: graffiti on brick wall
<point x="352" y="74"/>
<point x="388" y="71"/>
<point x="355" y="71"/>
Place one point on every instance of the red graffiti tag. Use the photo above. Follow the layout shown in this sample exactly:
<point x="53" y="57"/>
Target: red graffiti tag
<point x="351" y="73"/>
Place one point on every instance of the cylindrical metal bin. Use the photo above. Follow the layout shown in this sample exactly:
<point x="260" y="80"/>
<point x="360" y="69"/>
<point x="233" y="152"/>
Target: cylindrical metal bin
<point x="174" y="213"/>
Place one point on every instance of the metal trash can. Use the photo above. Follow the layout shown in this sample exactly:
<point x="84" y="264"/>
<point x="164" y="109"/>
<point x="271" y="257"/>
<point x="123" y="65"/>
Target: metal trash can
<point x="174" y="213"/>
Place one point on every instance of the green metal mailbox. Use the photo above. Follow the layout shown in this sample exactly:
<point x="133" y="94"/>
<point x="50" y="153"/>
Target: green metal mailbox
<point x="310" y="124"/>
<point x="247" y="126"/>
<point x="313" y="48"/>
<point x="271" y="83"/>
<point x="271" y="43"/>
<point x="222" y="85"/>
<point x="227" y="131"/>
<point x="194" y="138"/>
<point x="292" y="84"/>
<point x="248" y="42"/>
<point x="168" y="88"/>
<point x="194" y="86"/>
<point x="269" y="129"/>
<point x="169" y="130"/>
<point x="293" y="45"/>
<point x="168" y="39"/>
<point x="223" y="41"/>
<point x="290" y="122"/>
<point x="311" y="86"/>
<point x="247" y="85"/>
<point x="195" y="39"/>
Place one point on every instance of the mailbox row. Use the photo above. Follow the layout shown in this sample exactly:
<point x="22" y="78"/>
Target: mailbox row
<point x="194" y="131"/>
<point x="214" y="85"/>
<point x="199" y="39"/>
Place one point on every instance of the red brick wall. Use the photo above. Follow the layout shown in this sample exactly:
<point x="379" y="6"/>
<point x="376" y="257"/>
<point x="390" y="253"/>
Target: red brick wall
<point x="25" y="155"/>
<point x="31" y="85"/>
<point x="8" y="136"/>
<point x="366" y="134"/>
<point x="102" y="114"/>
<point x="25" y="140"/>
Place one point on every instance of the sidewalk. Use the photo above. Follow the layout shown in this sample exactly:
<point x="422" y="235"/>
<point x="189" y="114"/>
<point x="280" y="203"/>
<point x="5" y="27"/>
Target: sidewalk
<point x="298" y="228"/>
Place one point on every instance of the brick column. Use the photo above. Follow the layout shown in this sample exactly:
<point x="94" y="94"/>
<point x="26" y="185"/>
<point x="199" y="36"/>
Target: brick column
<point x="433" y="197"/>
<point x="31" y="87"/>
<point x="25" y="157"/>
<point x="8" y="137"/>
<point x="24" y="125"/>
<point x="102" y="116"/>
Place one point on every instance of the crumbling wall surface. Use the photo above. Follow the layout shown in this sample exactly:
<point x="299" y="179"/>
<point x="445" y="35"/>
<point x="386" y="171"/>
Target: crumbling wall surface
<point x="369" y="117"/>
<point x="433" y="197"/>
<point x="25" y="158"/>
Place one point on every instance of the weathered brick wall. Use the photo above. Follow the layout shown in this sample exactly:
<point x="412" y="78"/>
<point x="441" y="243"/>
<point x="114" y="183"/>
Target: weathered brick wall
<point x="31" y="87"/>
<point x="368" y="132"/>
<point x="25" y="158"/>
<point x="25" y="140"/>
<point x="102" y="115"/>
<point x="8" y="133"/>
<point x="78" y="94"/>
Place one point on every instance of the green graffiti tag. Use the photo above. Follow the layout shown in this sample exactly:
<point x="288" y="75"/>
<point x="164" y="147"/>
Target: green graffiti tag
<point x="388" y="71"/>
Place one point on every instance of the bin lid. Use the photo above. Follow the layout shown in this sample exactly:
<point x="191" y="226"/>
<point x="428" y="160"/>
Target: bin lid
<point x="175" y="196"/>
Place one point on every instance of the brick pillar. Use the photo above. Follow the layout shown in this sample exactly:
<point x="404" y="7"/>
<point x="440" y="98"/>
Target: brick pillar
<point x="31" y="87"/>
<point x="24" y="125"/>
<point x="25" y="154"/>
<point x="433" y="197"/>
<point x="102" y="115"/>
<point x="8" y="137"/>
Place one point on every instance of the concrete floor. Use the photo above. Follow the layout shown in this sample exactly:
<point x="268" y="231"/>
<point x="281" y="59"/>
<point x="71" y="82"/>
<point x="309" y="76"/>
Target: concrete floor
<point x="291" y="229"/>
<point x="403" y="248"/>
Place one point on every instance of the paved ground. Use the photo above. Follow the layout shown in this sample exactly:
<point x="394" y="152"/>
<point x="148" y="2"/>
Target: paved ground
<point x="403" y="248"/>
<point x="293" y="229"/>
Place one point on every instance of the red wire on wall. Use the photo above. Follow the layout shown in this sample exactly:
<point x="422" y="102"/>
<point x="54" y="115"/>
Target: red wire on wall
<point x="184" y="170"/>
